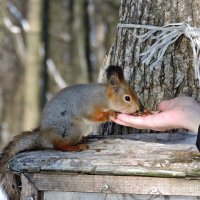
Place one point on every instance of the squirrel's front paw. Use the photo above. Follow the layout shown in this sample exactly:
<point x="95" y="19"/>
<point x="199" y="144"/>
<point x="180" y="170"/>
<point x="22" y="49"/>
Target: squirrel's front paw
<point x="113" y="115"/>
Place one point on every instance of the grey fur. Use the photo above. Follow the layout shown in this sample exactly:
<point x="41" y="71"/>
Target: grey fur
<point x="64" y="109"/>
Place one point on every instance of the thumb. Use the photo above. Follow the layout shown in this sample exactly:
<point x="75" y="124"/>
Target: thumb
<point x="164" y="105"/>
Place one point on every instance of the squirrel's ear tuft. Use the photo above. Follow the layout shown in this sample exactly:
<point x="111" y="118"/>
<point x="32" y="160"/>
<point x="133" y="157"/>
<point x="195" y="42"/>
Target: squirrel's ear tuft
<point x="114" y="72"/>
<point x="115" y="77"/>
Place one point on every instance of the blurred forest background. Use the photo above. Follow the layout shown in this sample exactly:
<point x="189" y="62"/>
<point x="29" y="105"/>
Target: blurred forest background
<point x="45" y="46"/>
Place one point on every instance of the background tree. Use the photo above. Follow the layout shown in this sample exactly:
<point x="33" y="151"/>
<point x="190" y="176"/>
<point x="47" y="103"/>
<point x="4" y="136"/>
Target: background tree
<point x="42" y="52"/>
<point x="32" y="69"/>
<point x="59" y="66"/>
<point x="11" y="93"/>
<point x="80" y="39"/>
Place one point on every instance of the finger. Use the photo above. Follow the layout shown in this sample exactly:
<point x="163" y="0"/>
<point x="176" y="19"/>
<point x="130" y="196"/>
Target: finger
<point x="134" y="121"/>
<point x="118" y="121"/>
<point x="129" y="124"/>
<point x="153" y="122"/>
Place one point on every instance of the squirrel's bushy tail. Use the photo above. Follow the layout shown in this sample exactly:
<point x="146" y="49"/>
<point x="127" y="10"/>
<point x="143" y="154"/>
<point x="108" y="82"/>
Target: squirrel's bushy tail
<point x="25" y="141"/>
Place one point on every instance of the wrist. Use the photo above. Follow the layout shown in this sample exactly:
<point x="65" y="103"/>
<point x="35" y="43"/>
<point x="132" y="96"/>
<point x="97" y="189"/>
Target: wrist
<point x="192" y="126"/>
<point x="191" y="119"/>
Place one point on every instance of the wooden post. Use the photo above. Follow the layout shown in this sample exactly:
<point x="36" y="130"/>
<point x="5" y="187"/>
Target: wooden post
<point x="28" y="192"/>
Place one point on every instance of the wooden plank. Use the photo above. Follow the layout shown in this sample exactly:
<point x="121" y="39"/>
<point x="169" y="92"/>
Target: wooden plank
<point x="115" y="184"/>
<point x="159" y="155"/>
<point x="99" y="196"/>
<point x="28" y="189"/>
<point x="74" y="195"/>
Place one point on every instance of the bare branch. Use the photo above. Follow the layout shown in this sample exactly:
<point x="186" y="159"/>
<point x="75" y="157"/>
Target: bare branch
<point x="52" y="69"/>
<point x="21" y="49"/>
<point x="9" y="25"/>
<point x="18" y="16"/>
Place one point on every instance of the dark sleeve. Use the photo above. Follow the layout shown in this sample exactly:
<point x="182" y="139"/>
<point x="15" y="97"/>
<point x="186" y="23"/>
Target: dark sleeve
<point x="198" y="139"/>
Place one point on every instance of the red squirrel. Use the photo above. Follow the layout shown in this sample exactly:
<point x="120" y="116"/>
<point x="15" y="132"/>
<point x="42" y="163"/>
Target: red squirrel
<point x="69" y="116"/>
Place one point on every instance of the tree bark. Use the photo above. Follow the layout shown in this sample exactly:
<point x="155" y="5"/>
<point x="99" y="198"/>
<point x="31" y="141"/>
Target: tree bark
<point x="175" y="75"/>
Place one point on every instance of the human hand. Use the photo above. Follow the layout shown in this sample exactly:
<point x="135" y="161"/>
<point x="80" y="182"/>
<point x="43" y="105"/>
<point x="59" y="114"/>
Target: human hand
<point x="180" y="112"/>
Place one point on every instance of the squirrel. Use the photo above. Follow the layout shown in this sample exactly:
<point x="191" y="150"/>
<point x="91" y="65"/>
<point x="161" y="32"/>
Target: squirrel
<point x="68" y="117"/>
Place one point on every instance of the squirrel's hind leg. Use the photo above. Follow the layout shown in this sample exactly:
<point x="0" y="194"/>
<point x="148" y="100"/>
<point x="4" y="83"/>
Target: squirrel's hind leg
<point x="69" y="139"/>
<point x="59" y="145"/>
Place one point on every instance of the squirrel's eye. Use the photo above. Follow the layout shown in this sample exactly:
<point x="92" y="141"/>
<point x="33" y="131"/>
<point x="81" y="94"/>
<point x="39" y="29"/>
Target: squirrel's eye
<point x="127" y="98"/>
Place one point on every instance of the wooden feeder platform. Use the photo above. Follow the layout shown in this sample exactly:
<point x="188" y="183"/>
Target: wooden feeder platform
<point x="114" y="167"/>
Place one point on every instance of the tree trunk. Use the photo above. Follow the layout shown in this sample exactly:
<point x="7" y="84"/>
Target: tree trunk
<point x="11" y="72"/>
<point x="175" y="75"/>
<point x="32" y="66"/>
<point x="3" y="4"/>
<point x="81" y="40"/>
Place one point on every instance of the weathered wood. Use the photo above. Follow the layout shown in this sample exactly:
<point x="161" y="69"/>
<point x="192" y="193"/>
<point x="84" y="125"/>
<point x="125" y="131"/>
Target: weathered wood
<point x="97" y="196"/>
<point x="147" y="164"/>
<point x="115" y="184"/>
<point x="74" y="195"/>
<point x="159" y="155"/>
<point x="28" y="189"/>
